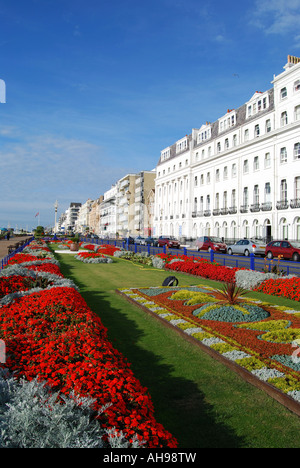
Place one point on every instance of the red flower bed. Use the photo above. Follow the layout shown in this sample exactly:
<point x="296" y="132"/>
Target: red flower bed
<point x="289" y="288"/>
<point x="46" y="267"/>
<point x="15" y="283"/>
<point x="107" y="249"/>
<point x="23" y="257"/>
<point x="89" y="255"/>
<point x="53" y="334"/>
<point x="205" y="269"/>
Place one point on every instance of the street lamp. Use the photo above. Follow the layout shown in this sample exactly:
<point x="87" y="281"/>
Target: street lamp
<point x="55" y="206"/>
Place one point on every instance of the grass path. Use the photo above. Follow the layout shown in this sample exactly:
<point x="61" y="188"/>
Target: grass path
<point x="201" y="402"/>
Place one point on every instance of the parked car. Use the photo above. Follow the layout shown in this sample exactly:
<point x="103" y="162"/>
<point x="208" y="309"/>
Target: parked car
<point x="211" y="243"/>
<point x="129" y="240"/>
<point x="168" y="241"/>
<point x="139" y="240"/>
<point x="288" y="250"/>
<point x="151" y="241"/>
<point x="246" y="247"/>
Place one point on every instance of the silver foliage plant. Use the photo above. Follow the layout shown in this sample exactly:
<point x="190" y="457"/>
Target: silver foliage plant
<point x="31" y="416"/>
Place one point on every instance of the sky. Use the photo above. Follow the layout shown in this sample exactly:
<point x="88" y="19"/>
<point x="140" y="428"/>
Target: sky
<point x="96" y="89"/>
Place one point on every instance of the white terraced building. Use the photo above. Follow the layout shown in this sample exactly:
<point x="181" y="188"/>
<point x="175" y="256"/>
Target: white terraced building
<point x="239" y="176"/>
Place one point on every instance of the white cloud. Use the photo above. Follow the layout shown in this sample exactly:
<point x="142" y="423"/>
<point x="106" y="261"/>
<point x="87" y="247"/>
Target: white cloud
<point x="277" y="16"/>
<point x="36" y="172"/>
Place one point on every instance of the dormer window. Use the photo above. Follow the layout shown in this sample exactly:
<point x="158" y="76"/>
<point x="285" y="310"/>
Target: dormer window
<point x="165" y="154"/>
<point x="181" y="145"/>
<point x="257" y="103"/>
<point x="204" y="133"/>
<point x="227" y="121"/>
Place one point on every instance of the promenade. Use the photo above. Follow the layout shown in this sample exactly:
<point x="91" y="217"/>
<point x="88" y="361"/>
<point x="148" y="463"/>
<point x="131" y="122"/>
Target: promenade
<point x="4" y="244"/>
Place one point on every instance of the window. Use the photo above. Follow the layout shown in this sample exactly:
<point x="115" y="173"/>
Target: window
<point x="268" y="126"/>
<point x="196" y="181"/>
<point x="284" y="119"/>
<point x="218" y="147"/>
<point x="267" y="192"/>
<point x="267" y="160"/>
<point x="225" y="200"/>
<point x="297" y="187"/>
<point x="283" y="93"/>
<point x="256" y="163"/>
<point x="208" y="202"/>
<point x="256" y="131"/>
<point x="297" y="151"/>
<point x="201" y="179"/>
<point x="283" y="190"/>
<point x="297" y="86"/>
<point x="225" y="173"/>
<point x="245" y="196"/>
<point x="233" y="197"/>
<point x="246" y="134"/>
<point x="233" y="170"/>
<point x="195" y="204"/>
<point x="297" y="113"/>
<point x="217" y="175"/>
<point x="256" y="195"/>
<point x="246" y="167"/>
<point x="234" y="141"/>
<point x="283" y="155"/>
<point x="217" y="206"/>
<point x="226" y="143"/>
<point x="208" y="178"/>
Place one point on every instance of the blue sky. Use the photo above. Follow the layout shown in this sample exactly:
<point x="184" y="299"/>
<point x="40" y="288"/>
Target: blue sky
<point x="97" y="88"/>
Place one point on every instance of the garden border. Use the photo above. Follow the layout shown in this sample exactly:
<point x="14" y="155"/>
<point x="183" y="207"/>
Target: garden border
<point x="273" y="392"/>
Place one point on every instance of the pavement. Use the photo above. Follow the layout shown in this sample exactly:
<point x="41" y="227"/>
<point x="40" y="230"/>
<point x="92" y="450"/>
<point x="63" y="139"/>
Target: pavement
<point x="4" y="244"/>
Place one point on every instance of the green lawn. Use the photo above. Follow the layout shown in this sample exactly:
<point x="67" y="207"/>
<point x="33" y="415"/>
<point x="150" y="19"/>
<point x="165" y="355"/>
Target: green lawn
<point x="201" y="402"/>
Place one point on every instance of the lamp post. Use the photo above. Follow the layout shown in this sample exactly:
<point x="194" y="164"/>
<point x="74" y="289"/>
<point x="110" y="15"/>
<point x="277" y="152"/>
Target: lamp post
<point x="55" y="206"/>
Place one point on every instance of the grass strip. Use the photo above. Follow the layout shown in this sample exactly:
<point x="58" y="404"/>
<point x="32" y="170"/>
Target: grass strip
<point x="202" y="403"/>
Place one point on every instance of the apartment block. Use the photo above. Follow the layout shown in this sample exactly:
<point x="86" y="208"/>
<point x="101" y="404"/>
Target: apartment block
<point x="240" y="175"/>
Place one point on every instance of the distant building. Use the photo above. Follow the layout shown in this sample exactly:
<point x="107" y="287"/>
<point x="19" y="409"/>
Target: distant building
<point x="240" y="175"/>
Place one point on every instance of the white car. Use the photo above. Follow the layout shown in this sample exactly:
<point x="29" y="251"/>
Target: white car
<point x="246" y="247"/>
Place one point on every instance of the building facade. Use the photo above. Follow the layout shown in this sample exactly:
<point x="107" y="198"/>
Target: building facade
<point x="124" y="211"/>
<point x="240" y="175"/>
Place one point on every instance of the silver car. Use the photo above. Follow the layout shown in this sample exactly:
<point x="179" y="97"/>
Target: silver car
<point x="246" y="247"/>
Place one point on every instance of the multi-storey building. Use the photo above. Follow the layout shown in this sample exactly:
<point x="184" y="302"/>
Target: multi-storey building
<point x="108" y="213"/>
<point x="240" y="175"/>
<point x="67" y="221"/>
<point x="82" y="223"/>
<point x="124" y="210"/>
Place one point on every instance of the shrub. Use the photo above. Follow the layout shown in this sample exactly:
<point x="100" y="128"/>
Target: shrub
<point x="33" y="417"/>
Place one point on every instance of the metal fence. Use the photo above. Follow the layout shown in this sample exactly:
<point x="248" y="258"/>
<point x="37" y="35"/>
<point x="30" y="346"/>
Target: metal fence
<point x="6" y="259"/>
<point x="233" y="261"/>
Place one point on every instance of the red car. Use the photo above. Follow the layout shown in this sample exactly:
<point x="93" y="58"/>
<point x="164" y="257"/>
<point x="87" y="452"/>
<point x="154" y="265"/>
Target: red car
<point x="289" y="250"/>
<point x="168" y="241"/>
<point x="211" y="243"/>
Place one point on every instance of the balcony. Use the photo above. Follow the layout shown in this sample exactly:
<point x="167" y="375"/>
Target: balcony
<point x="207" y="213"/>
<point x="216" y="212"/>
<point x="255" y="208"/>
<point x="224" y="211"/>
<point x="266" y="206"/>
<point x="295" y="203"/>
<point x="232" y="210"/>
<point x="244" y="208"/>
<point x="282" y="205"/>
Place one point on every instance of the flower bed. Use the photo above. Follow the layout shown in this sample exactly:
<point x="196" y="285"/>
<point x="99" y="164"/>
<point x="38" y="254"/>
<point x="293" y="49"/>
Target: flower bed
<point x="287" y="287"/>
<point x="51" y="333"/>
<point x="259" y="337"/>
<point x="204" y="268"/>
<point x="92" y="257"/>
